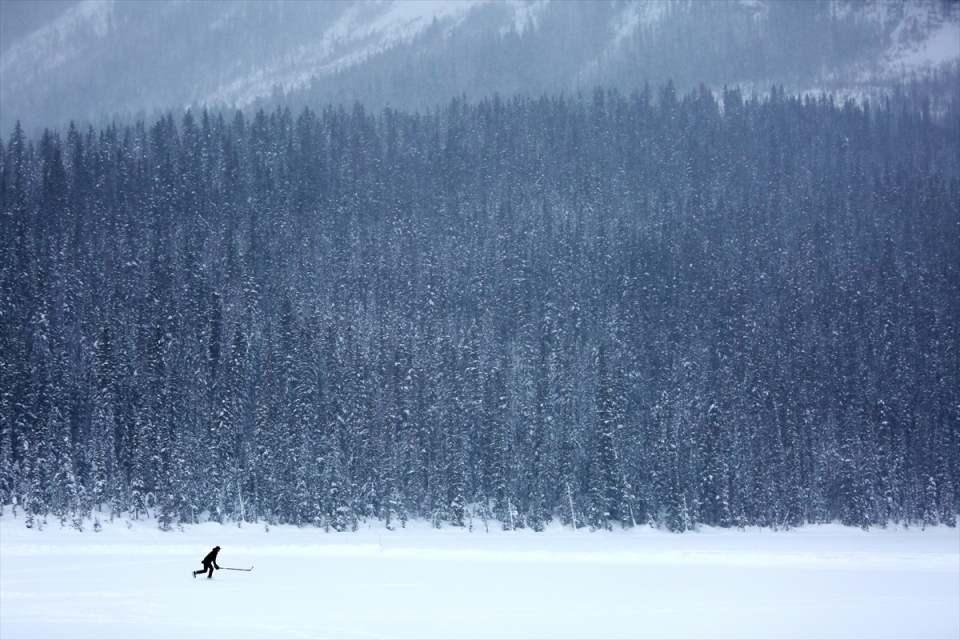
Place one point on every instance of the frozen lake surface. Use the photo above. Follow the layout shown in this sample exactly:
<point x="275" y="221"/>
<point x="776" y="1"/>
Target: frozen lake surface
<point x="816" y="582"/>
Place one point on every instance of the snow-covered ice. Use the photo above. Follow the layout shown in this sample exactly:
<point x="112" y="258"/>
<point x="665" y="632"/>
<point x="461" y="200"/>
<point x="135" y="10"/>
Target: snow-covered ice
<point x="816" y="582"/>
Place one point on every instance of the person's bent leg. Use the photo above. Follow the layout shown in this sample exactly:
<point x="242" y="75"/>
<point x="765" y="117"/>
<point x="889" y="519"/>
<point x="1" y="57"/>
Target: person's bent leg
<point x="209" y="570"/>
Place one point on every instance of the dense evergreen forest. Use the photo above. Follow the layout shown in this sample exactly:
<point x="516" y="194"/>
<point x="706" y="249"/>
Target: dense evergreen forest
<point x="600" y="310"/>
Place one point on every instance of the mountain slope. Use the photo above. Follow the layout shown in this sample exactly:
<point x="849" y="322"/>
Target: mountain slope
<point x="101" y="57"/>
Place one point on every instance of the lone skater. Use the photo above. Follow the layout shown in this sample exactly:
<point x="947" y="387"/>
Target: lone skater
<point x="209" y="563"/>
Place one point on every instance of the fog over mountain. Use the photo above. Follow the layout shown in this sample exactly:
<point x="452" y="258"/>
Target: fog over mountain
<point x="96" y="59"/>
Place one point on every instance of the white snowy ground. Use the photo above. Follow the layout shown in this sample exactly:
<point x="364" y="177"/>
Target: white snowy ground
<point x="817" y="582"/>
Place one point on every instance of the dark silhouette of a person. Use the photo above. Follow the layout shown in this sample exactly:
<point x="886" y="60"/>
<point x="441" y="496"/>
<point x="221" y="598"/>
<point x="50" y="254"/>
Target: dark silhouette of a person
<point x="209" y="563"/>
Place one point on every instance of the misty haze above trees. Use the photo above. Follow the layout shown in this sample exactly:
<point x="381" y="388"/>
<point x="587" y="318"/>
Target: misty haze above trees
<point x="102" y="58"/>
